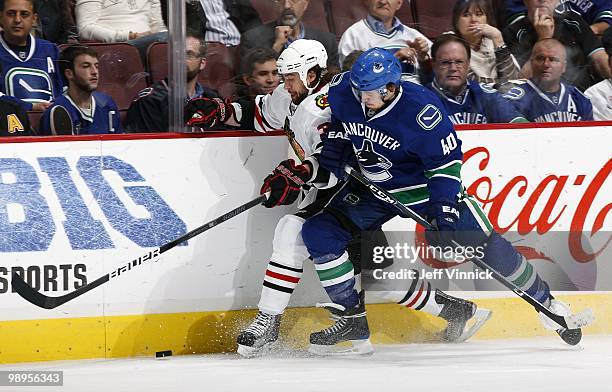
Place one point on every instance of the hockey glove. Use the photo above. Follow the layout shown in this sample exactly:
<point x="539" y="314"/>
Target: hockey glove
<point x="443" y="217"/>
<point x="336" y="154"/>
<point x="208" y="112"/>
<point x="285" y="183"/>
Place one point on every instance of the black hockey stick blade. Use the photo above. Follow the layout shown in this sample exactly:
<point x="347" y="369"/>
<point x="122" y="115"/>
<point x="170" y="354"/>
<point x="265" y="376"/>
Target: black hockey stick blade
<point x="574" y="321"/>
<point x="33" y="296"/>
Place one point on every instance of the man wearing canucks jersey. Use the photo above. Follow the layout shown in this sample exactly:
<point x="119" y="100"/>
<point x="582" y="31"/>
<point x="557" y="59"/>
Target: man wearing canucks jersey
<point x="90" y="112"/>
<point x="467" y="102"/>
<point x="400" y="136"/>
<point x="29" y="75"/>
<point x="544" y="97"/>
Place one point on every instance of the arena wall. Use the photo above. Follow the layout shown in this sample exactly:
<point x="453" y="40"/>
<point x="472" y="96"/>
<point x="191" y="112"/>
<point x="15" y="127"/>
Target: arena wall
<point x="74" y="208"/>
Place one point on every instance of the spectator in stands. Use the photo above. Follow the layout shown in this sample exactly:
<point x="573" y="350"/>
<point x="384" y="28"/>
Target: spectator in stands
<point x="597" y="13"/>
<point x="259" y="73"/>
<point x="287" y="28"/>
<point x="149" y="111"/>
<point x="544" y="97"/>
<point x="491" y="60"/>
<point x="584" y="48"/>
<point x="56" y="21"/>
<point x="13" y="120"/>
<point x="243" y="14"/>
<point x="219" y="27"/>
<point x="381" y="28"/>
<point x="89" y="111"/>
<point x="29" y="74"/>
<point x="466" y="101"/>
<point x="601" y="93"/>
<point x="137" y="22"/>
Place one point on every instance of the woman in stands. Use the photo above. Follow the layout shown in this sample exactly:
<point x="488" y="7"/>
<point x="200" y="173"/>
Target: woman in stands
<point x="491" y="60"/>
<point x="137" y="21"/>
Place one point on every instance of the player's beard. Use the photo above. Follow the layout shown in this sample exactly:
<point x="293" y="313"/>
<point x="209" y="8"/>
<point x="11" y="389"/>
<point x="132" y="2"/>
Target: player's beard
<point x="299" y="98"/>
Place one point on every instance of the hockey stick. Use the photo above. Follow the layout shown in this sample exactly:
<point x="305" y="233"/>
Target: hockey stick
<point x="31" y="295"/>
<point x="574" y="321"/>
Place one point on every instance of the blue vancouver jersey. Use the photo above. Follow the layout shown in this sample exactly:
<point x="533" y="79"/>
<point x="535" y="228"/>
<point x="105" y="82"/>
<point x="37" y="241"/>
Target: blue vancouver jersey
<point x="537" y="106"/>
<point x="479" y="105"/>
<point x="104" y="116"/>
<point x="409" y="148"/>
<point x="34" y="77"/>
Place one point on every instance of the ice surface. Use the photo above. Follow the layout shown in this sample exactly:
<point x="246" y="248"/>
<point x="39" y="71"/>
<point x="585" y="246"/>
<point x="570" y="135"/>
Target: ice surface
<point x="526" y="365"/>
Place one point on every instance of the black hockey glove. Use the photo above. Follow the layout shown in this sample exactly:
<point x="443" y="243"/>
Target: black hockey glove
<point x="336" y="154"/>
<point x="285" y="183"/>
<point x="443" y="217"/>
<point x="208" y="112"/>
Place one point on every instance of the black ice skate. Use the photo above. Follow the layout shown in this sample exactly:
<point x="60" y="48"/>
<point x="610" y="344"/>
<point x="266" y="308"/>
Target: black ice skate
<point x="458" y="312"/>
<point x="260" y="336"/>
<point x="351" y="326"/>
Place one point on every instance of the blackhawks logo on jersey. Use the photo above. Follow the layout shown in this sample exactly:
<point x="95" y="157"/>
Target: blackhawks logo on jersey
<point x="321" y="101"/>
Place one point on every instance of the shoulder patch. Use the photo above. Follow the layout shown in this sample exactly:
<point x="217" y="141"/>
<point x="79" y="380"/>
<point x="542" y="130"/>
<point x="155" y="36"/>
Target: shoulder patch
<point x="515" y="93"/>
<point x="429" y="117"/>
<point x="13" y="123"/>
<point x="321" y="101"/>
<point x="337" y="79"/>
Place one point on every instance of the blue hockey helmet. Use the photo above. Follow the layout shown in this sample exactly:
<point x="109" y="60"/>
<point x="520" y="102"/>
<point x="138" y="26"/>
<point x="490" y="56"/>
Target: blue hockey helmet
<point x="374" y="69"/>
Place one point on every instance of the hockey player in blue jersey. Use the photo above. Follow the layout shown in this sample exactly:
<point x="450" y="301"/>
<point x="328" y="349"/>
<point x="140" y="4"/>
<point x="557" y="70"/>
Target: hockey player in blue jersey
<point x="28" y="66"/>
<point x="90" y="112"/>
<point x="466" y="101"/>
<point x="544" y="97"/>
<point x="399" y="136"/>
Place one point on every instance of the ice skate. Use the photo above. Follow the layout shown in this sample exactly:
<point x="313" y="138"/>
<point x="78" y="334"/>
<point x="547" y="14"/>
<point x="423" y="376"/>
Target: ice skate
<point x="351" y="326"/>
<point x="458" y="312"/>
<point x="569" y="336"/>
<point x="260" y="336"/>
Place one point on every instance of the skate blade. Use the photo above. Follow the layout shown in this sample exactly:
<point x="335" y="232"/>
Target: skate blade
<point x="250" y="352"/>
<point x="477" y="321"/>
<point x="357" y="347"/>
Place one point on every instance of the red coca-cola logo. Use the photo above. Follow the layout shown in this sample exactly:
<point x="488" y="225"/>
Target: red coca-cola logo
<point x="496" y="200"/>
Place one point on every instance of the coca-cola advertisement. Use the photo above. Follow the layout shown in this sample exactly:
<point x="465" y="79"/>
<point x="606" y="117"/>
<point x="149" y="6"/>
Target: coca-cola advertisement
<point x="546" y="191"/>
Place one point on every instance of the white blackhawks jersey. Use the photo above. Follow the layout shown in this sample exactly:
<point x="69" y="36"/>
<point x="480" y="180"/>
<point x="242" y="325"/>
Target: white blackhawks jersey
<point x="303" y="123"/>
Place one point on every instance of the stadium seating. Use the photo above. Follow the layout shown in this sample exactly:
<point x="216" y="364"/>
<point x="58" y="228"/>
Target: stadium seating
<point x="157" y="61"/>
<point x="122" y="74"/>
<point x="220" y="69"/>
<point x="433" y="17"/>
<point x="345" y="13"/>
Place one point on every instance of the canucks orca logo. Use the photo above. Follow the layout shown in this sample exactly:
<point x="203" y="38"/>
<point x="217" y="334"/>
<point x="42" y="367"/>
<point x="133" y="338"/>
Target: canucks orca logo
<point x="515" y="93"/>
<point x="374" y="166"/>
<point x="31" y="85"/>
<point x="378" y="68"/>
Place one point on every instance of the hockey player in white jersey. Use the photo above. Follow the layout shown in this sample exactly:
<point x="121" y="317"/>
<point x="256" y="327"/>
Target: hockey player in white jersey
<point x="300" y="107"/>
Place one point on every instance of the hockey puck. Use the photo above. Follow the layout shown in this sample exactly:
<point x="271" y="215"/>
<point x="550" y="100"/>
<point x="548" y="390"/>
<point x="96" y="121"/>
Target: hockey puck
<point x="162" y="354"/>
